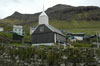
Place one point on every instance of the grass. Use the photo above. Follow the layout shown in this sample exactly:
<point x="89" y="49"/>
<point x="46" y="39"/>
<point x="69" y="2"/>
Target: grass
<point x="6" y="35"/>
<point x="86" y="45"/>
<point x="17" y="44"/>
<point x="10" y="21"/>
<point x="77" y="26"/>
<point x="6" y="27"/>
<point x="53" y="55"/>
<point x="89" y="27"/>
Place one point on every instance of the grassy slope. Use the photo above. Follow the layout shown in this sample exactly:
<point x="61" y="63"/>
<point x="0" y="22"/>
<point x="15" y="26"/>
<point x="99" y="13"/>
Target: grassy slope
<point x="76" y="26"/>
<point x="7" y="24"/>
<point x="89" y="27"/>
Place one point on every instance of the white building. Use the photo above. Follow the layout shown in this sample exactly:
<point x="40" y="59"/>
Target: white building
<point x="1" y="29"/>
<point x="78" y="37"/>
<point x="18" y="30"/>
<point x="32" y="30"/>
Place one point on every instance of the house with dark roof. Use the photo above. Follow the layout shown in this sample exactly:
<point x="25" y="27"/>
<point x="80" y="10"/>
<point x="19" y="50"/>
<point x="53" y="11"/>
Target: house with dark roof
<point x="45" y="34"/>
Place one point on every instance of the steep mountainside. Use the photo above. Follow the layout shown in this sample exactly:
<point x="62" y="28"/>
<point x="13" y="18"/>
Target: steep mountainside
<point x="84" y="19"/>
<point x="62" y="12"/>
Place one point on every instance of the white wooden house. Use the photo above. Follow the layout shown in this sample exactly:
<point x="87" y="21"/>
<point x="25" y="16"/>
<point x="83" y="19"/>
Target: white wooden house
<point x="18" y="32"/>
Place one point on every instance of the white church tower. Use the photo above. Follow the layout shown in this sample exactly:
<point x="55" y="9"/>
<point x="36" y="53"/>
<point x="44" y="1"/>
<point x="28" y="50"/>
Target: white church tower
<point x="43" y="18"/>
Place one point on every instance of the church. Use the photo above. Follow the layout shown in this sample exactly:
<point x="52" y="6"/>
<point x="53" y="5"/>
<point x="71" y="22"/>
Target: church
<point x="45" y="34"/>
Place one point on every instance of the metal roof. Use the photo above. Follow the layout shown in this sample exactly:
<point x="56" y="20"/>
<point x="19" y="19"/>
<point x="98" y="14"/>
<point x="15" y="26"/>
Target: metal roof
<point x="52" y="29"/>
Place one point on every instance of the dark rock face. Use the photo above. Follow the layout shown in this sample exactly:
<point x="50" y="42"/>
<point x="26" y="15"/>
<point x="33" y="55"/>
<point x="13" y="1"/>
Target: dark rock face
<point x="62" y="12"/>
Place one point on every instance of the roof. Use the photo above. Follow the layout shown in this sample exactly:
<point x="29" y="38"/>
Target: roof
<point x="43" y="14"/>
<point x="54" y="29"/>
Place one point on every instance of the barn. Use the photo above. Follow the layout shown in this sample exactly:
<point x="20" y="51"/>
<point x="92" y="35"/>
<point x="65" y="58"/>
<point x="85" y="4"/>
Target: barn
<point x="45" y="34"/>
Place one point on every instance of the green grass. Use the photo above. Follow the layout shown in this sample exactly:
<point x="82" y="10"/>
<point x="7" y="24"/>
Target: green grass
<point x="87" y="45"/>
<point x="5" y="35"/>
<point x="6" y="27"/>
<point x="89" y="27"/>
<point x="76" y="26"/>
<point x="27" y="38"/>
<point x="17" y="44"/>
<point x="11" y="21"/>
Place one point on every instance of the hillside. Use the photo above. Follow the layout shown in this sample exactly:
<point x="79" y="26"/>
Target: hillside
<point x="75" y="19"/>
<point x="62" y="12"/>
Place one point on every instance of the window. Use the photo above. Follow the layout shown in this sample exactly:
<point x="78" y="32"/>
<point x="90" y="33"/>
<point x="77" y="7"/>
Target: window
<point x="15" y="29"/>
<point x="41" y="29"/>
<point x="20" y="30"/>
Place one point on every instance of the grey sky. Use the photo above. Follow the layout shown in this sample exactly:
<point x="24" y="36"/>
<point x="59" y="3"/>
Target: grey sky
<point x="8" y="7"/>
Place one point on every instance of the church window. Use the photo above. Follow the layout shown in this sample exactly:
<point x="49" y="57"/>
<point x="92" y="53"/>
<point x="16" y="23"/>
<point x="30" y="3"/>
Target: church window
<point x="41" y="29"/>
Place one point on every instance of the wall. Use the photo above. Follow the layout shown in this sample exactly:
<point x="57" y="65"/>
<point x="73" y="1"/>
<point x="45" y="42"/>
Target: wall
<point x="43" y="38"/>
<point x="47" y="56"/>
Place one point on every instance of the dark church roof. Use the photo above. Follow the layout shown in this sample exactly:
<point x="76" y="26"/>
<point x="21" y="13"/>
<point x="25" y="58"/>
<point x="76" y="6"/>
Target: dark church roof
<point x="53" y="29"/>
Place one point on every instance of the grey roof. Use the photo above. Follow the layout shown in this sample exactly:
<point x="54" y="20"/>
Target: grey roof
<point x="54" y="29"/>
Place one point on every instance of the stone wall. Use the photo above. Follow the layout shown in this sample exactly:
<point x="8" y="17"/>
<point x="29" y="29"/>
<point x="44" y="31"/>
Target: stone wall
<point x="45" y="56"/>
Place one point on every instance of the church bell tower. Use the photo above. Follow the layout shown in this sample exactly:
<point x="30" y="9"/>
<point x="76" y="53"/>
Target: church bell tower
<point x="43" y="18"/>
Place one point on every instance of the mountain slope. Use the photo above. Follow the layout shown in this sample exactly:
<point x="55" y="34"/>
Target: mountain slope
<point x="62" y="12"/>
<point x="75" y="19"/>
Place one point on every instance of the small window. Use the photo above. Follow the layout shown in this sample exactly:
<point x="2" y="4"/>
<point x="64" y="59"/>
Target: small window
<point x="41" y="29"/>
<point x="15" y="29"/>
<point x="19" y="29"/>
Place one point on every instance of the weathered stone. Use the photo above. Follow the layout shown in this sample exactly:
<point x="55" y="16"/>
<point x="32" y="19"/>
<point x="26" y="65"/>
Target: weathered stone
<point x="26" y="64"/>
<point x="17" y="61"/>
<point x="62" y="64"/>
<point x="64" y="57"/>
